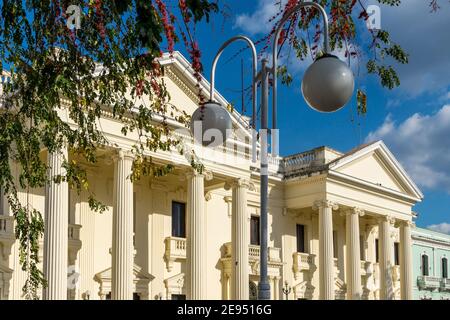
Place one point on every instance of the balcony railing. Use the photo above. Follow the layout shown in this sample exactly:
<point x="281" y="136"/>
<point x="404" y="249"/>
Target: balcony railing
<point x="6" y="229"/>
<point x="366" y="268"/>
<point x="74" y="231"/>
<point x="427" y="282"/>
<point x="336" y="267"/>
<point x="445" y="284"/>
<point x="274" y="254"/>
<point x="303" y="262"/>
<point x="74" y="241"/>
<point x="175" y="250"/>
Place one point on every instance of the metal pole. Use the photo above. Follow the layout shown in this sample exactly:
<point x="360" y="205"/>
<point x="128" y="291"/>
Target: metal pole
<point x="263" y="285"/>
<point x="326" y="49"/>
<point x="254" y="82"/>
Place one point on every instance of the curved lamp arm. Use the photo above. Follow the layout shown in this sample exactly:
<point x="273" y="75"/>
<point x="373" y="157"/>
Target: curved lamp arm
<point x="285" y="18"/>
<point x="255" y="66"/>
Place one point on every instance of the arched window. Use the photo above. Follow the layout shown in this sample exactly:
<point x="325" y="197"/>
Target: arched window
<point x="425" y="265"/>
<point x="444" y="268"/>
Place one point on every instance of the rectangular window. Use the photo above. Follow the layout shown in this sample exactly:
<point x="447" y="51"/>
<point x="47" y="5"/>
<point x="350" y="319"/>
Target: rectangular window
<point x="301" y="238"/>
<point x="254" y="231"/>
<point x="425" y="267"/>
<point x="362" y="248"/>
<point x="444" y="268"/>
<point x="178" y="297"/>
<point x="397" y="253"/>
<point x="335" y="244"/>
<point x="178" y="219"/>
<point x="377" y="255"/>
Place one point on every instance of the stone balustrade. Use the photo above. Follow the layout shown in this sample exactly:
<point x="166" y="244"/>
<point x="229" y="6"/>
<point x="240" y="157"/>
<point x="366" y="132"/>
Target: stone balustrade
<point x="274" y="254"/>
<point x="7" y="237"/>
<point x="366" y="268"/>
<point x="445" y="284"/>
<point x="175" y="250"/>
<point x="303" y="262"/>
<point x="428" y="282"/>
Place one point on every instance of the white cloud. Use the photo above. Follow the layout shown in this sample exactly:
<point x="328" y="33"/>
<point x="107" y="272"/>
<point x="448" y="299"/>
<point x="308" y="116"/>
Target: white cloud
<point x="424" y="35"/>
<point x="258" y="21"/>
<point x="422" y="145"/>
<point x="441" y="227"/>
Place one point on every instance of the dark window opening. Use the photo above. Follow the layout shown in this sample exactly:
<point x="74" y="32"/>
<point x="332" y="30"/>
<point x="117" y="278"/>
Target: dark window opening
<point x="397" y="253"/>
<point x="425" y="265"/>
<point x="178" y="219"/>
<point x="444" y="268"/>
<point x="254" y="231"/>
<point x="178" y="297"/>
<point x="377" y="253"/>
<point x="301" y="247"/>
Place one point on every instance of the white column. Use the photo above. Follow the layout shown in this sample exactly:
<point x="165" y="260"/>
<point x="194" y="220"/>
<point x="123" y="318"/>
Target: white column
<point x="276" y="289"/>
<point x="56" y="229"/>
<point x="122" y="229"/>
<point x="406" y="273"/>
<point x="353" y="270"/>
<point x="385" y="244"/>
<point x="240" y="238"/>
<point x="326" y="262"/>
<point x="87" y="251"/>
<point x="196" y="235"/>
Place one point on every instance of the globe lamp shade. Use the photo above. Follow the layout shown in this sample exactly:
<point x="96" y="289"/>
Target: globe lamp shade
<point x="328" y="84"/>
<point x="211" y="124"/>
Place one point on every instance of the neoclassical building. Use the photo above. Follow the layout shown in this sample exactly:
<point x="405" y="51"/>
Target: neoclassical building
<point x="431" y="255"/>
<point x="339" y="223"/>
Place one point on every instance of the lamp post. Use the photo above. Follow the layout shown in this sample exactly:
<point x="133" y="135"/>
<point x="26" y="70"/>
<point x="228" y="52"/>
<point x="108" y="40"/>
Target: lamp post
<point x="327" y="86"/>
<point x="286" y="290"/>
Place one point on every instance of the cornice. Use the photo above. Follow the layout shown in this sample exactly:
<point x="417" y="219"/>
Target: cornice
<point x="181" y="84"/>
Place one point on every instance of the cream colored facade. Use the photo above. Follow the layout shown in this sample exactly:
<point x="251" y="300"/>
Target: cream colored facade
<point x="345" y="202"/>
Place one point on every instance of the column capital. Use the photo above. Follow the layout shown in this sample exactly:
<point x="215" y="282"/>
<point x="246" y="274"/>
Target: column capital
<point x="404" y="223"/>
<point x="386" y="218"/>
<point x="191" y="172"/>
<point x="240" y="182"/>
<point x="325" y="204"/>
<point x="208" y="195"/>
<point x="122" y="155"/>
<point x="228" y="199"/>
<point x="355" y="210"/>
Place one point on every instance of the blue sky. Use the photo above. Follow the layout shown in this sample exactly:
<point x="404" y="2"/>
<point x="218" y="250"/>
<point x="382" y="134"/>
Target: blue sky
<point x="413" y="120"/>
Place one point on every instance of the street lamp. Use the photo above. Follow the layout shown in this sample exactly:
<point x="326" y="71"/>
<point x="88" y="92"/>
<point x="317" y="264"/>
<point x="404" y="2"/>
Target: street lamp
<point x="327" y="86"/>
<point x="286" y="290"/>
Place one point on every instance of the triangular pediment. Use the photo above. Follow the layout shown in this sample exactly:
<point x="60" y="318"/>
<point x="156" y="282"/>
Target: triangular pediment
<point x="175" y="281"/>
<point x="376" y="165"/>
<point x="138" y="273"/>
